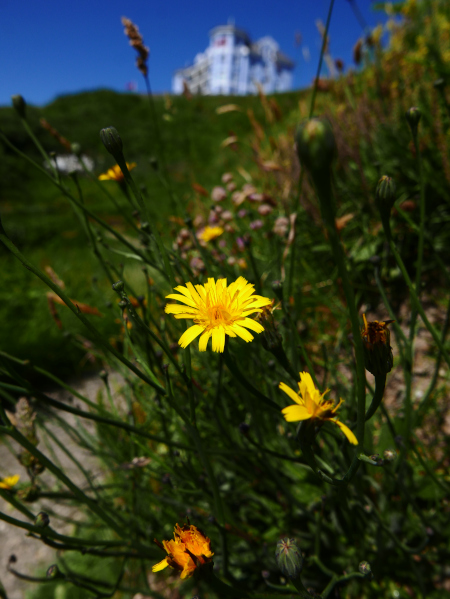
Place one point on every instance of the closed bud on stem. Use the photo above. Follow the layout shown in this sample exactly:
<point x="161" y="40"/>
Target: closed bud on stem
<point x="54" y="572"/>
<point x="413" y="116"/>
<point x="385" y="198"/>
<point x="316" y="146"/>
<point x="289" y="558"/>
<point x="19" y="105"/>
<point x="118" y="287"/>
<point x="76" y="148"/>
<point x="42" y="520"/>
<point x="112" y="142"/>
<point x="378" y="356"/>
<point x="364" y="568"/>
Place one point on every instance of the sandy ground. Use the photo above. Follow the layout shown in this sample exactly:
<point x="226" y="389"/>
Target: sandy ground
<point x="32" y="554"/>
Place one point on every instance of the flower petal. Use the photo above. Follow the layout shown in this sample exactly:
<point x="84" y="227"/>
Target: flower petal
<point x="251" y="324"/>
<point x="218" y="339"/>
<point x="292" y="394"/>
<point x="203" y="341"/>
<point x="160" y="565"/>
<point x="182" y="298"/>
<point x="190" y="334"/>
<point x="347" y="432"/>
<point x="241" y="332"/>
<point x="295" y="413"/>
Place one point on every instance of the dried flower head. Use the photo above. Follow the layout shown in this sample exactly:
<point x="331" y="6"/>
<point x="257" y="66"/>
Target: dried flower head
<point x="378" y="355"/>
<point x="137" y="42"/>
<point x="189" y="550"/>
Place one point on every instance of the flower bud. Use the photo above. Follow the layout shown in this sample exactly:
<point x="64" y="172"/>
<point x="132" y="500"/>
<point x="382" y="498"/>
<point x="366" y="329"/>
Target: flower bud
<point x="378" y="356"/>
<point x="76" y="148"/>
<point x="385" y="197"/>
<point x="54" y="572"/>
<point x="112" y="142"/>
<point x="364" y="568"/>
<point x="42" y="520"/>
<point x="413" y="116"/>
<point x="316" y="146"/>
<point x="19" y="105"/>
<point x="289" y="558"/>
<point x="118" y="287"/>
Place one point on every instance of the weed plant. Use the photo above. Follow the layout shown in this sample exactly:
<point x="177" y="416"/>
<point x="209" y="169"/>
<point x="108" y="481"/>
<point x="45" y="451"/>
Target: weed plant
<point x="248" y="306"/>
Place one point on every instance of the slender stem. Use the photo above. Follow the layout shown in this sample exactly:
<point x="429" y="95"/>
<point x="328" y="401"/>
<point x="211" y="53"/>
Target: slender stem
<point x="322" y="52"/>
<point x="380" y="384"/>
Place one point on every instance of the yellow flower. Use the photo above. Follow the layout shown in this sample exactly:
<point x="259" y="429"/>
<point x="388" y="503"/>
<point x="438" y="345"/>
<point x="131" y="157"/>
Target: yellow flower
<point x="210" y="233"/>
<point x="217" y="310"/>
<point x="311" y="405"/>
<point x="9" y="482"/>
<point x="115" y="174"/>
<point x="189" y="549"/>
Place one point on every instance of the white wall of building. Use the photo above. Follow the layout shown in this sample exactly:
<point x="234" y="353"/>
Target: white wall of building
<point x="231" y="65"/>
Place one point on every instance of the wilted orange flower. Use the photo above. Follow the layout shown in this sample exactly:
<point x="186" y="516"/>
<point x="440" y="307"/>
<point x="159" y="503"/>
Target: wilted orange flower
<point x="377" y="346"/>
<point x="115" y="174"/>
<point x="189" y="550"/>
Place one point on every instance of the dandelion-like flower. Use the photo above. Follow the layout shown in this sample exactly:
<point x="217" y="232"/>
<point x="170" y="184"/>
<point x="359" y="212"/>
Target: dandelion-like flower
<point x="217" y="310"/>
<point x="378" y="356"/>
<point x="189" y="550"/>
<point x="311" y="405"/>
<point x="210" y="233"/>
<point x="115" y="174"/>
<point x="9" y="482"/>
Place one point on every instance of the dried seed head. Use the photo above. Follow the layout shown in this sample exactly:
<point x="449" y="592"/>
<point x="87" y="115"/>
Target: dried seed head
<point x="136" y="41"/>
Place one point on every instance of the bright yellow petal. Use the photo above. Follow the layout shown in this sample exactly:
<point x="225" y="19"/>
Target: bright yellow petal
<point x="251" y="324"/>
<point x="160" y="566"/>
<point x="295" y="413"/>
<point x="104" y="177"/>
<point x="9" y="481"/>
<point x="242" y="333"/>
<point x="347" y="432"/>
<point x="218" y="339"/>
<point x="306" y="379"/>
<point x="203" y="341"/>
<point x="182" y="298"/>
<point x="189" y="335"/>
<point x="292" y="394"/>
<point x="177" y="309"/>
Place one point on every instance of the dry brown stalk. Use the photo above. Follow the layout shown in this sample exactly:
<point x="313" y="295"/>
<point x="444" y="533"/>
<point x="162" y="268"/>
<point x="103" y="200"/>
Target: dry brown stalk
<point x="137" y="42"/>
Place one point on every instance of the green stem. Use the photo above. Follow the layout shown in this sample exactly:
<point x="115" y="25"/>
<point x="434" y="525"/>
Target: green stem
<point x="323" y="186"/>
<point x="380" y="384"/>
<point x="232" y="367"/>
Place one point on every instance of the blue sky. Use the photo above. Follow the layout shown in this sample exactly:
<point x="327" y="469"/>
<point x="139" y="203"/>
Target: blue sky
<point x="54" y="47"/>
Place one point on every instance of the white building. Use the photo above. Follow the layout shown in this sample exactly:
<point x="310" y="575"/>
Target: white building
<point x="232" y="65"/>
